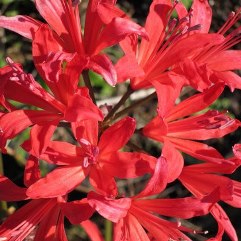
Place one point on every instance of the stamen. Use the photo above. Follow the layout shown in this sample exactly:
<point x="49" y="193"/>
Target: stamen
<point x="75" y="2"/>
<point x="90" y="153"/>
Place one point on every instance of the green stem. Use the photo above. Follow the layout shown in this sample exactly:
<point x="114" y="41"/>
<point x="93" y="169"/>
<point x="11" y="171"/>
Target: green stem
<point x="119" y="104"/>
<point x="136" y="104"/>
<point x="86" y="79"/>
<point x="108" y="230"/>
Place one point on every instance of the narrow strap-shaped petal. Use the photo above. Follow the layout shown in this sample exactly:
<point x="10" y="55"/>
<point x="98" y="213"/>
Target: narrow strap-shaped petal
<point x="31" y="171"/>
<point x="224" y="224"/>
<point x="201" y="14"/>
<point x="51" y="227"/>
<point x="77" y="211"/>
<point x="86" y="129"/>
<point x="113" y="210"/>
<point x="129" y="228"/>
<point x="21" y="223"/>
<point x="9" y="191"/>
<point x="175" y="161"/>
<point x="157" y="17"/>
<point x="92" y="230"/>
<point x="195" y="103"/>
<point x="40" y="137"/>
<point x="201" y="184"/>
<point x="211" y="124"/>
<point x="23" y="25"/>
<point x="60" y="153"/>
<point x="124" y="72"/>
<point x="232" y="80"/>
<point x="53" y="12"/>
<point x="117" y="30"/>
<point x="119" y="164"/>
<point x="102" y="65"/>
<point x="14" y="122"/>
<point x="82" y="108"/>
<point x="235" y="202"/>
<point x="59" y="182"/>
<point x="103" y="182"/>
<point x="116" y="136"/>
<point x="180" y="207"/>
<point x="184" y="48"/>
<point x="167" y="92"/>
<point x="225" y="60"/>
<point x="158" y="180"/>
<point x="198" y="150"/>
<point x="159" y="227"/>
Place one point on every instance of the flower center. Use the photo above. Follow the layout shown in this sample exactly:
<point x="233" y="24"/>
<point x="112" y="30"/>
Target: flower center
<point x="91" y="152"/>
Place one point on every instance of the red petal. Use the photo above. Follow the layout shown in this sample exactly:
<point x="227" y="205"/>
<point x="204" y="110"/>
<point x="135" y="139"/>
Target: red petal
<point x="117" y="30"/>
<point x="103" y="182"/>
<point x="116" y="136"/>
<point x="81" y="108"/>
<point x="198" y="150"/>
<point x="40" y="137"/>
<point x="54" y="14"/>
<point x="86" y="129"/>
<point x="111" y="209"/>
<point x="185" y="208"/>
<point x="159" y="227"/>
<point x="124" y="71"/>
<point x="202" y="14"/>
<point x="32" y="171"/>
<point x="158" y="181"/>
<point x="167" y="92"/>
<point x="211" y="124"/>
<point x="157" y="17"/>
<point x="61" y="153"/>
<point x="51" y="227"/>
<point x="174" y="159"/>
<point x="77" y="211"/>
<point x="130" y="229"/>
<point x="102" y="65"/>
<point x="201" y="184"/>
<point x="225" y="60"/>
<point x="186" y="47"/>
<point x="92" y="230"/>
<point x="14" y="122"/>
<point x="59" y="182"/>
<point x="195" y="103"/>
<point x="25" y="219"/>
<point x="9" y="191"/>
<point x="229" y="78"/>
<point x="23" y="25"/>
<point x="224" y="224"/>
<point x="119" y="164"/>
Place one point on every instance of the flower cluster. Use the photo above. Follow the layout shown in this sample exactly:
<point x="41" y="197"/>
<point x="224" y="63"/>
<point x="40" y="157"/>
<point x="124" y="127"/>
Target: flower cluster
<point x="168" y="55"/>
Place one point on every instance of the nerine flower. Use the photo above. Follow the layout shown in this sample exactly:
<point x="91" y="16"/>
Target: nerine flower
<point x="177" y="124"/>
<point x="100" y="160"/>
<point x="137" y="216"/>
<point x="214" y="62"/>
<point x="67" y="102"/>
<point x="169" y="44"/>
<point x="62" y="36"/>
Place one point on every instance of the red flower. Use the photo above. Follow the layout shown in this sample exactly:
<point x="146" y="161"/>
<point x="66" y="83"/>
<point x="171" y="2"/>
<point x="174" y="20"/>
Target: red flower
<point x="214" y="62"/>
<point x="136" y="214"/>
<point x="169" y="44"/>
<point x="62" y="38"/>
<point x="68" y="103"/>
<point x="101" y="160"/>
<point x="201" y="179"/>
<point x="174" y="124"/>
